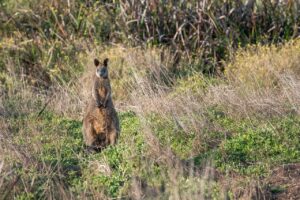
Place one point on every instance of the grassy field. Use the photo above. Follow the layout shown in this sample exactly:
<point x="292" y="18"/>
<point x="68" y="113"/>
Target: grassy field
<point x="210" y="114"/>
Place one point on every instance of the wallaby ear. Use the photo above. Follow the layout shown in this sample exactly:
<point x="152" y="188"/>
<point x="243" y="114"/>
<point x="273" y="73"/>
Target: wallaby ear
<point x="96" y="62"/>
<point x="105" y="62"/>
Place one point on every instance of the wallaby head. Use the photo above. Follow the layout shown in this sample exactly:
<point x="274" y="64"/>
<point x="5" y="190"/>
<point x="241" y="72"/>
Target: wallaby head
<point x="101" y="68"/>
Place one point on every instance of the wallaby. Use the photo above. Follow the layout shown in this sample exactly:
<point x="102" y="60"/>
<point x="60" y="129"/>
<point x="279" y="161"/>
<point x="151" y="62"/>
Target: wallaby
<point x="101" y="124"/>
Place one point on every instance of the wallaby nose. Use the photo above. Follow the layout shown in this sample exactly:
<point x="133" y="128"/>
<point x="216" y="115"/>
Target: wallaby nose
<point x="103" y="72"/>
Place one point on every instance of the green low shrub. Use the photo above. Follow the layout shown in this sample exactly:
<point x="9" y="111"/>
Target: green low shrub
<point x="253" y="151"/>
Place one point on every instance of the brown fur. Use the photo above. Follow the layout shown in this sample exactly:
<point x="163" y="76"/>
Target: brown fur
<point x="101" y="123"/>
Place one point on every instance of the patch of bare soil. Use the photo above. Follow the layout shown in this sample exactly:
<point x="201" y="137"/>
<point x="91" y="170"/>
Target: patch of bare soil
<point x="284" y="183"/>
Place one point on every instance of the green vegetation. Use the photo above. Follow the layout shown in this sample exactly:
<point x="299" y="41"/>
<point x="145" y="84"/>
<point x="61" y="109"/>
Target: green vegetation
<point x="255" y="150"/>
<point x="207" y="95"/>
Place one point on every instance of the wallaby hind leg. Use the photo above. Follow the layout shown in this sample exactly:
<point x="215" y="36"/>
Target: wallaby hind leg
<point x="112" y="137"/>
<point x="88" y="133"/>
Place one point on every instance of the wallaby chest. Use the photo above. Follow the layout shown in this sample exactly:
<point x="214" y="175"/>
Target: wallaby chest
<point x="102" y="87"/>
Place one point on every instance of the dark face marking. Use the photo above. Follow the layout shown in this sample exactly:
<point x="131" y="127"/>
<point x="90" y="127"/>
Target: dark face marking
<point x="101" y="70"/>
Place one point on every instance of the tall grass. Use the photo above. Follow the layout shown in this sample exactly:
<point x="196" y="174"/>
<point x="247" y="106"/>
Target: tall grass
<point x="201" y="32"/>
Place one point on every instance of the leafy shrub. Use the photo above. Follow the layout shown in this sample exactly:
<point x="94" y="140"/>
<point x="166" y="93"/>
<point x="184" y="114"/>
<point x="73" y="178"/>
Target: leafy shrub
<point x="255" y="150"/>
<point x="261" y="66"/>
